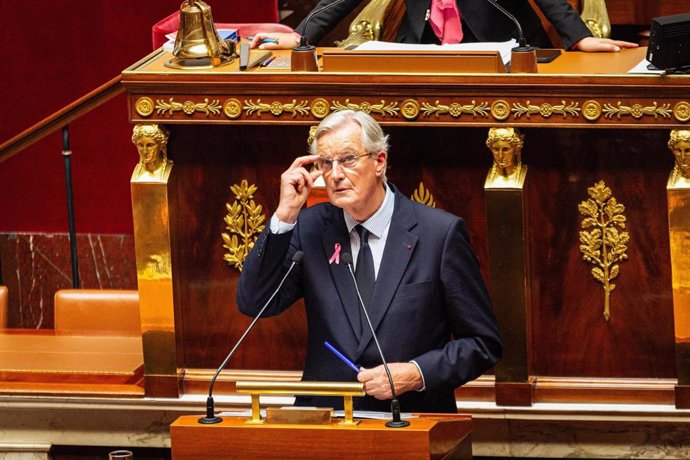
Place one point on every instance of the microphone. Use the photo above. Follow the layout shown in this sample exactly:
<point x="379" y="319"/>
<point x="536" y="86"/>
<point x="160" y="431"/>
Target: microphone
<point x="210" y="406"/>
<point x="397" y="422"/>
<point x="523" y="58"/>
<point x="303" y="57"/>
<point x="303" y="39"/>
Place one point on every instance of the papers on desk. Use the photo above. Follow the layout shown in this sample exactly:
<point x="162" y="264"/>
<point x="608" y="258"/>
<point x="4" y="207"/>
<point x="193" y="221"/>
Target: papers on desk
<point x="643" y="68"/>
<point x="502" y="47"/>
<point x="373" y="415"/>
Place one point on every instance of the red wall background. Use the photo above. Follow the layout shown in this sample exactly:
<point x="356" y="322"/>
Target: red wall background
<point x="52" y="53"/>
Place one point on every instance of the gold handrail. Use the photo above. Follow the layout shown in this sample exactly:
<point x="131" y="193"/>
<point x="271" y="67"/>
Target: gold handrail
<point x="61" y="118"/>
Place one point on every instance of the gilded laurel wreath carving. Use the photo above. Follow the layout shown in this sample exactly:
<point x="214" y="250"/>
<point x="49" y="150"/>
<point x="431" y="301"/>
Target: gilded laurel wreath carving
<point x="244" y="222"/>
<point x="637" y="110"/>
<point x="423" y="196"/>
<point x="546" y="110"/>
<point x="188" y="107"/>
<point x="602" y="244"/>
<point x="277" y="108"/>
<point x="455" y="110"/>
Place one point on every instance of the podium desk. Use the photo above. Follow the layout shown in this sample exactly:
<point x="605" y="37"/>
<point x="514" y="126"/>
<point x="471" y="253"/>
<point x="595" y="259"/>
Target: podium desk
<point x="428" y="436"/>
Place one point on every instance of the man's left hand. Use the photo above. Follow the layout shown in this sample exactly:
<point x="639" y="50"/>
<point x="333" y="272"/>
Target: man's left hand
<point x="406" y="377"/>
<point x="595" y="44"/>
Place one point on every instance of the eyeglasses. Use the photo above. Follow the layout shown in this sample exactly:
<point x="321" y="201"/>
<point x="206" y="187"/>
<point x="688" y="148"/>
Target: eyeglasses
<point x="345" y="161"/>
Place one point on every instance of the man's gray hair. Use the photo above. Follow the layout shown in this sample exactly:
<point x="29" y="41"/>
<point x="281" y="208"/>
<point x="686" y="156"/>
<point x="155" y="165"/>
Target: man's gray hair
<point x="373" y="138"/>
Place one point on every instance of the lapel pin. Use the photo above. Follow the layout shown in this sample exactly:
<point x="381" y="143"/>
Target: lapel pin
<point x="336" y="255"/>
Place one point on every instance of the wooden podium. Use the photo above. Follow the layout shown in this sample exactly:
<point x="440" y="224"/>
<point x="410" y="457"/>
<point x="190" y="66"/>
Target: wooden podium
<point x="428" y="436"/>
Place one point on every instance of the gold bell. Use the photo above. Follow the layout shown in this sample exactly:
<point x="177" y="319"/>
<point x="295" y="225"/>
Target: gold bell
<point x="197" y="44"/>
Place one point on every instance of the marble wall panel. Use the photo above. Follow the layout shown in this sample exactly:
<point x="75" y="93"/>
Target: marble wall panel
<point x="34" y="266"/>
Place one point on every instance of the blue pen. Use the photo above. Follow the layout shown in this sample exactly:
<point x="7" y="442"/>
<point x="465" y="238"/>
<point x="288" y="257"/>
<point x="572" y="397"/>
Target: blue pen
<point x="342" y="357"/>
<point x="265" y="40"/>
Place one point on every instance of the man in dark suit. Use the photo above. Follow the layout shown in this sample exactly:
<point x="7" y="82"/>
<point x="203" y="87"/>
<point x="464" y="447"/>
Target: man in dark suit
<point x="428" y="304"/>
<point x="481" y="22"/>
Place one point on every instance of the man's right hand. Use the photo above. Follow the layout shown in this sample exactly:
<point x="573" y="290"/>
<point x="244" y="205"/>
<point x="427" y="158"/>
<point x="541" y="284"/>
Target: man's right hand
<point x="295" y="185"/>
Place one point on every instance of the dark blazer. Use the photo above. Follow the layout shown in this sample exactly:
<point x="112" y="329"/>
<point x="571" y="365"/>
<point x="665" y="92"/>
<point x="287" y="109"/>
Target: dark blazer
<point x="430" y="303"/>
<point x="481" y="21"/>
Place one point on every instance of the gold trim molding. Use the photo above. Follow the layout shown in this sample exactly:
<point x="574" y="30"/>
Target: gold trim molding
<point x="411" y="108"/>
<point x="188" y="107"/>
<point x="546" y="109"/>
<point x="277" y="108"/>
<point x="381" y="108"/>
<point x="601" y="242"/>
<point x="244" y="222"/>
<point x="456" y="110"/>
<point x="637" y="111"/>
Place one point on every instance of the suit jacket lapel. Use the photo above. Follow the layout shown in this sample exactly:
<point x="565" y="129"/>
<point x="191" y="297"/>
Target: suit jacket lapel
<point x="400" y="245"/>
<point x="334" y="233"/>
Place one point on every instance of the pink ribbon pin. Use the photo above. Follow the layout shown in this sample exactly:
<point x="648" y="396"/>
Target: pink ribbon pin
<point x="336" y="255"/>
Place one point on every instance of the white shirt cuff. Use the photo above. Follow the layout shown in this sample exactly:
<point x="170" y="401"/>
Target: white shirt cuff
<point x="420" y="373"/>
<point x="278" y="227"/>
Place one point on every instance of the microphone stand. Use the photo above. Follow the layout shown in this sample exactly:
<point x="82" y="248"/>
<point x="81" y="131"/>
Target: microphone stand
<point x="397" y="421"/>
<point x="210" y="417"/>
<point x="523" y="58"/>
<point x="303" y="56"/>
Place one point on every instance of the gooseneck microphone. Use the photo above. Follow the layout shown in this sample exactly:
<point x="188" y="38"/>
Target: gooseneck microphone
<point x="303" y="40"/>
<point x="523" y="58"/>
<point x="521" y="36"/>
<point x="397" y="421"/>
<point x="211" y="418"/>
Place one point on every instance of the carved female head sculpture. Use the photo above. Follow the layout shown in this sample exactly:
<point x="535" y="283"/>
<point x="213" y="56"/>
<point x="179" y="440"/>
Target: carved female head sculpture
<point x="679" y="143"/>
<point x="506" y="147"/>
<point x="151" y="142"/>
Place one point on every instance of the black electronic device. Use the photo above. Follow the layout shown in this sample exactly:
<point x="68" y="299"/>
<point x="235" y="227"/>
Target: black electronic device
<point x="546" y="55"/>
<point x="669" y="42"/>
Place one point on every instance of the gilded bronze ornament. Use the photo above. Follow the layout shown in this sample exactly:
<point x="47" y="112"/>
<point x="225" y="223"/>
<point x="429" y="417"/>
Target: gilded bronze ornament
<point x="682" y="111"/>
<point x="410" y="109"/>
<point x="506" y="149"/>
<point x="500" y="110"/>
<point x="277" y="108"/>
<point x="423" y="195"/>
<point x="232" y="108"/>
<point x="637" y="111"/>
<point x="320" y="108"/>
<point x="596" y="17"/>
<point x="144" y="106"/>
<point x="546" y="109"/>
<point x="456" y="110"/>
<point x="679" y="144"/>
<point x="591" y="110"/>
<point x="602" y="244"/>
<point x="152" y="145"/>
<point x="244" y="222"/>
<point x="382" y="109"/>
<point x="379" y="20"/>
<point x="188" y="107"/>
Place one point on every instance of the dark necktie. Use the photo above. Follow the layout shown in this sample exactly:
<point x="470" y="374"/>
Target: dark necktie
<point x="364" y="273"/>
